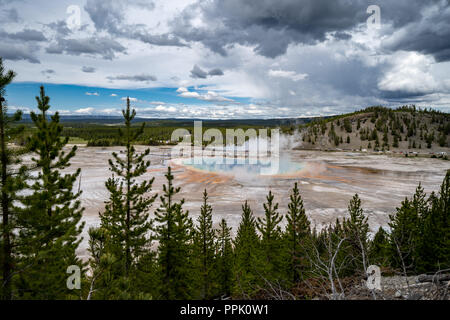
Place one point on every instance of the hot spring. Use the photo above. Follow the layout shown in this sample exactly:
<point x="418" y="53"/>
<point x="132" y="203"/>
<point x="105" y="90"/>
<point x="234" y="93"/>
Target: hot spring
<point x="282" y="165"/>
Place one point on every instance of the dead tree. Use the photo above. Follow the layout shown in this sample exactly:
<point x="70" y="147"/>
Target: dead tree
<point x="324" y="265"/>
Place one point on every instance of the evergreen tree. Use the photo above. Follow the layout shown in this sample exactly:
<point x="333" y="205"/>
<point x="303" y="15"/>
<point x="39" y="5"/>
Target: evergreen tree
<point x="403" y="237"/>
<point x="104" y="282"/>
<point x="442" y="139"/>
<point x="297" y="232"/>
<point x="347" y="125"/>
<point x="271" y="241"/>
<point x="174" y="233"/>
<point x="126" y="215"/>
<point x="12" y="182"/>
<point x="247" y="263"/>
<point x="225" y="258"/>
<point x="356" y="229"/>
<point x="378" y="249"/>
<point x="205" y="246"/>
<point x="433" y="244"/>
<point x="50" y="221"/>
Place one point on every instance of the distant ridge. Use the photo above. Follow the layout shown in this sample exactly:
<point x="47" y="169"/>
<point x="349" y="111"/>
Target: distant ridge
<point x="103" y="119"/>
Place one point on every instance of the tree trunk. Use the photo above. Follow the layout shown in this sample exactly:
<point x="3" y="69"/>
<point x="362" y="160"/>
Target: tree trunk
<point x="6" y="286"/>
<point x="434" y="278"/>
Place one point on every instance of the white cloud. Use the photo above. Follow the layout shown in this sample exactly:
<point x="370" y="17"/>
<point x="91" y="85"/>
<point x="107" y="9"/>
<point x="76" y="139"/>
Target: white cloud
<point x="85" y="110"/>
<point x="170" y="109"/>
<point x="208" y="96"/>
<point x="410" y="72"/>
<point x="110" y="111"/>
<point x="92" y="94"/>
<point x="287" y="74"/>
<point x="113" y="95"/>
<point x="189" y="94"/>
<point x="182" y="89"/>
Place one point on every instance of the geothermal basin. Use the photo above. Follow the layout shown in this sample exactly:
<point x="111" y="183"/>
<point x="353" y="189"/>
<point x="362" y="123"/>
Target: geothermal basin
<point x="327" y="181"/>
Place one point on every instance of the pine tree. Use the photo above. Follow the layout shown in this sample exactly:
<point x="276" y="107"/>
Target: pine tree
<point x="225" y="258"/>
<point x="247" y="264"/>
<point x="298" y="230"/>
<point x="378" y="249"/>
<point x="50" y="221"/>
<point x="403" y="237"/>
<point x="356" y="229"/>
<point x="444" y="207"/>
<point x="126" y="216"/>
<point x="12" y="182"/>
<point x="205" y="246"/>
<point x="433" y="243"/>
<point x="174" y="233"/>
<point x="442" y="139"/>
<point x="271" y="241"/>
<point x="104" y="282"/>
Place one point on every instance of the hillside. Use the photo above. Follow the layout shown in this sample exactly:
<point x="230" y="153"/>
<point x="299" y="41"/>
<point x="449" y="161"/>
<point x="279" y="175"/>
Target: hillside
<point x="405" y="129"/>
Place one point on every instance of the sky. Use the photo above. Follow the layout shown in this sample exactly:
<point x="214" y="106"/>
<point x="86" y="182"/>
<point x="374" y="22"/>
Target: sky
<point x="217" y="59"/>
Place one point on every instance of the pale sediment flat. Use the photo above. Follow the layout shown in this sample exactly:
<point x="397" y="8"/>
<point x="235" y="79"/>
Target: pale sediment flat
<point x="327" y="182"/>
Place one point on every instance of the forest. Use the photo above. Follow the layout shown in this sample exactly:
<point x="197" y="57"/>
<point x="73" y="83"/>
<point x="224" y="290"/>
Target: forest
<point x="380" y="129"/>
<point x="170" y="256"/>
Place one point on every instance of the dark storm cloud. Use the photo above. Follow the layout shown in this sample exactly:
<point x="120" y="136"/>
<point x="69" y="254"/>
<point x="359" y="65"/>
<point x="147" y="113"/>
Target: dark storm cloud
<point x="399" y="96"/>
<point x="136" y="78"/>
<point x="104" y="47"/>
<point x="267" y="25"/>
<point x="29" y="35"/>
<point x="271" y="26"/>
<point x="88" y="69"/>
<point x="198" y="73"/>
<point x="17" y="53"/>
<point x="60" y="27"/>
<point x="342" y="35"/>
<point x="215" y="72"/>
<point x="108" y="15"/>
<point x="158" y="40"/>
<point x="429" y="35"/>
<point x="24" y="35"/>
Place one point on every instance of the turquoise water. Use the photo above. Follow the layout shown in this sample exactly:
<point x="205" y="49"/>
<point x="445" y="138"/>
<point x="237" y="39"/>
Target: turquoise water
<point x="285" y="166"/>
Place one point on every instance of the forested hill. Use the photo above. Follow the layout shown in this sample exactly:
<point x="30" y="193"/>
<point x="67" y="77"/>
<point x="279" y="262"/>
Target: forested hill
<point x="381" y="129"/>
